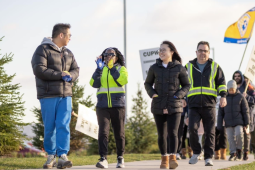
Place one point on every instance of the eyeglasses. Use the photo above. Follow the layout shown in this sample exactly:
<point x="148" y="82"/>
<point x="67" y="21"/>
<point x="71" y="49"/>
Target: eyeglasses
<point x="108" y="54"/>
<point x="205" y="51"/>
<point x="68" y="34"/>
<point x="161" y="50"/>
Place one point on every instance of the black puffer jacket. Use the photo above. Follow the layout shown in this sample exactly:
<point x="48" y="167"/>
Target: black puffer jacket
<point x="167" y="83"/>
<point x="48" y="63"/>
<point x="235" y="113"/>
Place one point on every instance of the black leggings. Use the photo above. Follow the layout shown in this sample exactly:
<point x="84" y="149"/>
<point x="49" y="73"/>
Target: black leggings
<point x="167" y="124"/>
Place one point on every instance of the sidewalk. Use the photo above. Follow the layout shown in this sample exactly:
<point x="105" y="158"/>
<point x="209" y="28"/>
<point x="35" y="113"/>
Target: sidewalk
<point x="183" y="165"/>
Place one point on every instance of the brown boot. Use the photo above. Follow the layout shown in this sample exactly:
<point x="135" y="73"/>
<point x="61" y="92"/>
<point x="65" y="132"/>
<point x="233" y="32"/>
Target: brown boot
<point x="164" y="162"/>
<point x="172" y="162"/>
<point x="217" y="155"/>
<point x="184" y="152"/>
<point x="190" y="152"/>
<point x="223" y="154"/>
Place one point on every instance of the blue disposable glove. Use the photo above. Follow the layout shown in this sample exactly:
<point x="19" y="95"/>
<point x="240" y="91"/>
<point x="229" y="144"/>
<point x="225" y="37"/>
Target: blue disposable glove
<point x="176" y="97"/>
<point x="67" y="78"/>
<point x="100" y="64"/>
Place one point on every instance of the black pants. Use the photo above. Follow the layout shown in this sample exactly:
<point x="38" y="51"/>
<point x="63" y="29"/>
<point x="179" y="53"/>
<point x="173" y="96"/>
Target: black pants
<point x="220" y="139"/>
<point x="184" y="137"/>
<point x="180" y="134"/>
<point x="167" y="126"/>
<point x="208" y="117"/>
<point x="117" y="118"/>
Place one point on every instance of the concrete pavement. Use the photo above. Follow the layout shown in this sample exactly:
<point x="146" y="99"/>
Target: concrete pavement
<point x="183" y="165"/>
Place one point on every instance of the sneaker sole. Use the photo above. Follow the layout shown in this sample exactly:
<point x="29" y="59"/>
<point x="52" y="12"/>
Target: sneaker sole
<point x="120" y="166"/>
<point x="50" y="166"/>
<point x="208" y="164"/>
<point x="193" y="163"/>
<point x="98" y="165"/>
<point x="67" y="164"/>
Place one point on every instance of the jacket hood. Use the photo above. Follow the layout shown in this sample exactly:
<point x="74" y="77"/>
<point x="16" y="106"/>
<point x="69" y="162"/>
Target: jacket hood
<point x="48" y="40"/>
<point x="242" y="77"/>
<point x="173" y="63"/>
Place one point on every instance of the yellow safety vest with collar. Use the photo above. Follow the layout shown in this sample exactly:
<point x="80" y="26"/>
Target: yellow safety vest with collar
<point x="111" y="92"/>
<point x="212" y="91"/>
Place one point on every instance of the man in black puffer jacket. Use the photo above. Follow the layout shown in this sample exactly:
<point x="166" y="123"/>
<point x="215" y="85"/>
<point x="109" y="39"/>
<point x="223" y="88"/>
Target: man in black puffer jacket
<point x="236" y="117"/>
<point x="55" y="69"/>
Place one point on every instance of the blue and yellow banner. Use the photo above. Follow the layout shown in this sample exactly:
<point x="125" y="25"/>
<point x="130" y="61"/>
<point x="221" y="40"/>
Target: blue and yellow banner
<point x="241" y="31"/>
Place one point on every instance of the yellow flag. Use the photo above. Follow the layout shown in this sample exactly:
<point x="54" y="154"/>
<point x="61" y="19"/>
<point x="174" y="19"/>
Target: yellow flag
<point x="241" y="31"/>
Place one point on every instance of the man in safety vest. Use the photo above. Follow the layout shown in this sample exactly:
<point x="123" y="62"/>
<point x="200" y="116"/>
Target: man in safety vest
<point x="207" y="80"/>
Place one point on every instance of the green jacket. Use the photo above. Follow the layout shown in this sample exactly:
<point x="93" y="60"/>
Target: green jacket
<point x="110" y="84"/>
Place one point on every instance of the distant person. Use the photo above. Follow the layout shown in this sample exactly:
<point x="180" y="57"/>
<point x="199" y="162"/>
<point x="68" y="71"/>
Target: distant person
<point x="249" y="95"/>
<point x="207" y="79"/>
<point x="55" y="70"/>
<point x="110" y="77"/>
<point x="236" y="117"/>
<point x="163" y="86"/>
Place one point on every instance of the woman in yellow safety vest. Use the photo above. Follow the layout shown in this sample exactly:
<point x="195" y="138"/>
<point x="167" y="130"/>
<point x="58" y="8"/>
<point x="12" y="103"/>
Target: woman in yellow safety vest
<point x="110" y="78"/>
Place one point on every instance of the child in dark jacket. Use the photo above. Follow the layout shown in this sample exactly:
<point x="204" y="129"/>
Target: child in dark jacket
<point x="236" y="117"/>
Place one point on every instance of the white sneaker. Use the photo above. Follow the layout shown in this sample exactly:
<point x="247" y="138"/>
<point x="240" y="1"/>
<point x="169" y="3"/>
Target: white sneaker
<point x="208" y="162"/>
<point x="103" y="163"/>
<point x="50" y="163"/>
<point x="63" y="162"/>
<point x="201" y="156"/>
<point x="178" y="156"/>
<point x="120" y="163"/>
<point x="194" y="159"/>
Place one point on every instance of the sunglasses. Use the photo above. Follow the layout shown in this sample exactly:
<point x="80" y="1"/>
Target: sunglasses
<point x="108" y="54"/>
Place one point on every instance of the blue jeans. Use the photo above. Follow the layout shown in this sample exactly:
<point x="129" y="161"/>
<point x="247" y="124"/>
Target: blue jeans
<point x="56" y="115"/>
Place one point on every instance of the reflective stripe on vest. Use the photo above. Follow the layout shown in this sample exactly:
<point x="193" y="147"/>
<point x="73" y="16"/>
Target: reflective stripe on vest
<point x="111" y="90"/>
<point x="203" y="90"/>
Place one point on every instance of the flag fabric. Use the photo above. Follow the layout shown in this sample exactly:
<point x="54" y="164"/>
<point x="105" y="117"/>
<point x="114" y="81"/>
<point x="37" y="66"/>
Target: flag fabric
<point x="241" y="31"/>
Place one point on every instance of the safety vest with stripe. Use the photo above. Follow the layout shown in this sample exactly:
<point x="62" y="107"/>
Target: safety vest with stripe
<point x="111" y="91"/>
<point x="211" y="90"/>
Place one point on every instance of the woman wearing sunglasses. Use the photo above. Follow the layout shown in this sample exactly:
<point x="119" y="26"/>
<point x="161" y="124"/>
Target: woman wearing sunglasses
<point x="163" y="85"/>
<point x="110" y="78"/>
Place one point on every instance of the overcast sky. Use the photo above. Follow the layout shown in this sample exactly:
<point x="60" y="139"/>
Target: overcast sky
<point x="98" y="24"/>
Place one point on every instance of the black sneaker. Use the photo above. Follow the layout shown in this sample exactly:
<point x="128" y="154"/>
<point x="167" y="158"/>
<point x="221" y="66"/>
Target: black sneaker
<point x="245" y="156"/>
<point x="232" y="157"/>
<point x="238" y="155"/>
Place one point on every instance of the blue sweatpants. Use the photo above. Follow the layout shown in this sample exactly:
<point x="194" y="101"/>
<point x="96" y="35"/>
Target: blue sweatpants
<point x="56" y="115"/>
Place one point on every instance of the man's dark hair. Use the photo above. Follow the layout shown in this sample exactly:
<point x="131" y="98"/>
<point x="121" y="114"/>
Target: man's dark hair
<point x="203" y="43"/>
<point x="60" y="28"/>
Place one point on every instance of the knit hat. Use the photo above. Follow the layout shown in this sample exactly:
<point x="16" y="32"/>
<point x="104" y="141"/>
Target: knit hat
<point x="232" y="84"/>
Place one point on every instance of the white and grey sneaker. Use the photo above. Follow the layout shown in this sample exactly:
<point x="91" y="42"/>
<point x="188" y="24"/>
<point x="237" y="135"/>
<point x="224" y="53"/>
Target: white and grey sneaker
<point x="194" y="159"/>
<point x="50" y="163"/>
<point x="63" y="162"/>
<point x="120" y="163"/>
<point x="178" y="156"/>
<point x="103" y="163"/>
<point x="208" y="162"/>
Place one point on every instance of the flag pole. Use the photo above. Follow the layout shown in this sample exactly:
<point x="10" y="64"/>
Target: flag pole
<point x="246" y="46"/>
<point x="244" y="53"/>
<point x="125" y="54"/>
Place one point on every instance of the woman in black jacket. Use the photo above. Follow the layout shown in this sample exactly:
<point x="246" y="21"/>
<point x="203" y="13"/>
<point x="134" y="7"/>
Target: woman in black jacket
<point x="163" y="86"/>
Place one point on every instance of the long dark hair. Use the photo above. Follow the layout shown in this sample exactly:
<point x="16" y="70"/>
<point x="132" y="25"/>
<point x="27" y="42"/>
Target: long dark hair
<point x="176" y="55"/>
<point x="121" y="59"/>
